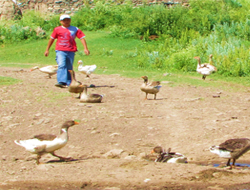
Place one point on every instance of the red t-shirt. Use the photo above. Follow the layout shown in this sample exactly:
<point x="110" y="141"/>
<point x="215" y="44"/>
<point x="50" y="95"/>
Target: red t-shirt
<point x="66" y="37"/>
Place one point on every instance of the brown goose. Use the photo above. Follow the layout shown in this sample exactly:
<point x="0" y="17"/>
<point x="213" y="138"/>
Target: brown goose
<point x="47" y="143"/>
<point x="232" y="149"/>
<point x="75" y="86"/>
<point x="169" y="157"/>
<point x="150" y="88"/>
<point x="90" y="98"/>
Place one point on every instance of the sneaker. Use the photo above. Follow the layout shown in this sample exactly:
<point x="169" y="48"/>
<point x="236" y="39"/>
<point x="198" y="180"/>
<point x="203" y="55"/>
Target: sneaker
<point x="60" y="85"/>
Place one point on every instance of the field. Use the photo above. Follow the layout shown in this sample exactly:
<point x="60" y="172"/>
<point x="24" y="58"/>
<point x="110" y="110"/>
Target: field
<point x="187" y="118"/>
<point x="111" y="145"/>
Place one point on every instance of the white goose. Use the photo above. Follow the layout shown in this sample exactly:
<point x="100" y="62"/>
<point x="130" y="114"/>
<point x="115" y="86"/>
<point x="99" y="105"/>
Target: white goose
<point x="205" y="69"/>
<point x="50" y="70"/>
<point x="169" y="157"/>
<point x="231" y="149"/>
<point x="47" y="143"/>
<point x="86" y="69"/>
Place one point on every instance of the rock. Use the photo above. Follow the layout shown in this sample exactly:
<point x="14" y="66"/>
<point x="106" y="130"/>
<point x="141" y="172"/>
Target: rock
<point x="191" y="99"/>
<point x="38" y="114"/>
<point x="44" y="167"/>
<point x="94" y="132"/>
<point x="130" y="157"/>
<point x="112" y="188"/>
<point x="7" y="118"/>
<point x="47" y="120"/>
<point x="216" y="96"/>
<point x="4" y="157"/>
<point x="142" y="155"/>
<point x="114" y="134"/>
<point x="114" y="153"/>
<point x="147" y="180"/>
<point x="40" y="121"/>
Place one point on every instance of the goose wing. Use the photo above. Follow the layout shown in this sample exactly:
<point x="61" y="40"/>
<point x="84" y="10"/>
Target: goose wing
<point x="154" y="85"/>
<point x="45" y="137"/>
<point x="49" y="69"/>
<point x="87" y="68"/>
<point x="234" y="144"/>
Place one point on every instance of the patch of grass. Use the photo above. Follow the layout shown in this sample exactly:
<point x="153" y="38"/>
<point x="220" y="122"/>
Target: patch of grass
<point x="8" y="81"/>
<point x="55" y="97"/>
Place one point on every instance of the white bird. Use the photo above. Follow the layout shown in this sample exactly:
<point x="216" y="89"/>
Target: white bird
<point x="169" y="157"/>
<point x="47" y="143"/>
<point x="231" y="149"/>
<point x="86" y="69"/>
<point x="150" y="87"/>
<point x="205" y="69"/>
<point x="50" y="70"/>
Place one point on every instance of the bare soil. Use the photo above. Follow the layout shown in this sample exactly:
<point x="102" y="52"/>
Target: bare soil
<point x="186" y="118"/>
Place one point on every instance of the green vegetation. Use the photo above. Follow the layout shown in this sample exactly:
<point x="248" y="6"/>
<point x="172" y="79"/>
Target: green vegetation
<point x="218" y="27"/>
<point x="8" y="81"/>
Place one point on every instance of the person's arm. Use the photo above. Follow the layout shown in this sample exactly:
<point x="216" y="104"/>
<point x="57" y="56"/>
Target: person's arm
<point x="84" y="43"/>
<point x="46" y="53"/>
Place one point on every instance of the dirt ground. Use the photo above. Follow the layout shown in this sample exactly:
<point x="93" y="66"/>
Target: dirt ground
<point x="111" y="145"/>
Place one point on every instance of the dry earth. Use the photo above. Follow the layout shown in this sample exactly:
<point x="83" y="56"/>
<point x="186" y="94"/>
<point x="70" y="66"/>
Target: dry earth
<point x="188" y="119"/>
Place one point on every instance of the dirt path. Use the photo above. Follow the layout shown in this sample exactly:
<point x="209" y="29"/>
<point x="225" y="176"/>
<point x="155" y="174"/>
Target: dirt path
<point x="186" y="118"/>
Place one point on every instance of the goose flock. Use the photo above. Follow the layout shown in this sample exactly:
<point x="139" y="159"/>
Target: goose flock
<point x="231" y="149"/>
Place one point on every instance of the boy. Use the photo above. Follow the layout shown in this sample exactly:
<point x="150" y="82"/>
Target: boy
<point x="65" y="49"/>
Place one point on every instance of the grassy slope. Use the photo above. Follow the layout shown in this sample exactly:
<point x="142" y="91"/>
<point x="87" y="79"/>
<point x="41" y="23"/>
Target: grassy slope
<point x="109" y="54"/>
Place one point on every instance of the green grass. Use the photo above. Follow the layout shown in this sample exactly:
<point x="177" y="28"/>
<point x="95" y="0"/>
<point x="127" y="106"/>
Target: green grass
<point x="8" y="81"/>
<point x="111" y="57"/>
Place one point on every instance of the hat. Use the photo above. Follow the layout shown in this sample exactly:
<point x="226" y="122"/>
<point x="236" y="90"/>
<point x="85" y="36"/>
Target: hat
<point x="62" y="17"/>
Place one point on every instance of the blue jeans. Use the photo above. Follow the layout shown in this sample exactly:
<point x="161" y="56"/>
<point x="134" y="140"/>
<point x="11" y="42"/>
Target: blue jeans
<point x="65" y="61"/>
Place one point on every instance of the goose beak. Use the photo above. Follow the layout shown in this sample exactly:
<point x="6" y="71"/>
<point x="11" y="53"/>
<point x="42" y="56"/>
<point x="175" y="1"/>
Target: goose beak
<point x="76" y="123"/>
<point x="152" y="152"/>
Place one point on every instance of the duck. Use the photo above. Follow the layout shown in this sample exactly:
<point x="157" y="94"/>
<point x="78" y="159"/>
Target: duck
<point x="50" y="69"/>
<point x="90" y="98"/>
<point x="231" y="149"/>
<point x="150" y="88"/>
<point x="205" y="69"/>
<point x="48" y="143"/>
<point x="75" y="86"/>
<point x="168" y="157"/>
<point x="86" y="69"/>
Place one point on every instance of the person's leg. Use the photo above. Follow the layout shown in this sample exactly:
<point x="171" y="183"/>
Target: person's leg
<point x="62" y="68"/>
<point x="69" y="65"/>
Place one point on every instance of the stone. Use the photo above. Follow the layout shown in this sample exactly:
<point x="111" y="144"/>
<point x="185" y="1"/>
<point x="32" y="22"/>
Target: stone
<point x="114" y="153"/>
